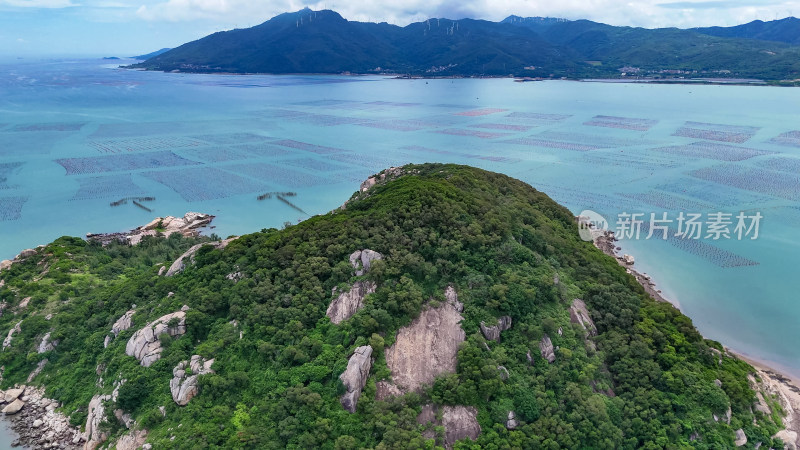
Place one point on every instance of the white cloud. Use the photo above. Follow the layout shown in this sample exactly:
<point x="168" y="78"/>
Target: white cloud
<point x="49" y="4"/>
<point x="647" y="13"/>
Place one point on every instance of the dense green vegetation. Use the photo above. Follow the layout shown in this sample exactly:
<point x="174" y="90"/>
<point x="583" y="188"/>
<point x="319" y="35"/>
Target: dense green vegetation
<point x="323" y="42"/>
<point x="649" y="384"/>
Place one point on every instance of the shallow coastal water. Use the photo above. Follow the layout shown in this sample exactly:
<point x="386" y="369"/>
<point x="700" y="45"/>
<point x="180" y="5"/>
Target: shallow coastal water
<point x="76" y="136"/>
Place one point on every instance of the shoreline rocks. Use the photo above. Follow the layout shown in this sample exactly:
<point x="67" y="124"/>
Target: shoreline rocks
<point x="189" y="225"/>
<point x="38" y="424"/>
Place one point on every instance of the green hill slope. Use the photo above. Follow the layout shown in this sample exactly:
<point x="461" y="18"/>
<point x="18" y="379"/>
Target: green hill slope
<point x="629" y="373"/>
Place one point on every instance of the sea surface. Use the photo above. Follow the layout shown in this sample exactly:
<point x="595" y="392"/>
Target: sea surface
<point x="78" y="135"/>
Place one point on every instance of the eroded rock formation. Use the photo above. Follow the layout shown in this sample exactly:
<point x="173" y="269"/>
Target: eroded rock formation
<point x="46" y="344"/>
<point x="355" y="376"/>
<point x="580" y="315"/>
<point x="459" y="422"/>
<point x="184" y="386"/>
<point x="180" y="264"/>
<point x="493" y="332"/>
<point x="546" y="349"/>
<point x="14" y="329"/>
<point x="93" y="434"/>
<point x="348" y="303"/>
<point x="145" y="346"/>
<point x="362" y="259"/>
<point x="425" y="348"/>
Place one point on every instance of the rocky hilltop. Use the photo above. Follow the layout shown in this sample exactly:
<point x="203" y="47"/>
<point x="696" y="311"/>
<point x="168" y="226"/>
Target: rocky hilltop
<point x="441" y="305"/>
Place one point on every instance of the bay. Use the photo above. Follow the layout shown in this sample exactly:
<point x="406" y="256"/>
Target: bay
<point x="78" y="135"/>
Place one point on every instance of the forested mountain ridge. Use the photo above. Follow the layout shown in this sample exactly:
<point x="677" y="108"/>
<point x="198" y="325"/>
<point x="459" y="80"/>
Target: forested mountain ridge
<point x="323" y="42"/>
<point x="438" y="304"/>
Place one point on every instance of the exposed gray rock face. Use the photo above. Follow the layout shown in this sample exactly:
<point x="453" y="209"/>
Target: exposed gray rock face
<point x="123" y="323"/>
<point x="183" y="387"/>
<point x="362" y="259"/>
<point x="741" y="439"/>
<point x="37" y="370"/>
<point x="355" y="376"/>
<point x="452" y="298"/>
<point x="546" y="349"/>
<point x="14" y="329"/>
<point x="13" y="407"/>
<point x="493" y="332"/>
<point x="180" y="264"/>
<point x="348" y="303"/>
<point x="512" y="423"/>
<point x="459" y="422"/>
<point x="93" y="435"/>
<point x="503" y="372"/>
<point x="425" y="348"/>
<point x="46" y="345"/>
<point x="385" y="390"/>
<point x="580" y="315"/>
<point x="144" y="344"/>
<point x="135" y="439"/>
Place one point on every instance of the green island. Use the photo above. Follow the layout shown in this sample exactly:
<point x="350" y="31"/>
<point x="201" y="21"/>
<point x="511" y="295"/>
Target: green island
<point x="445" y="305"/>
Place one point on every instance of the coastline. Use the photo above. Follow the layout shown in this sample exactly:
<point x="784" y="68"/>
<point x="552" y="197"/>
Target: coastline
<point x="775" y="382"/>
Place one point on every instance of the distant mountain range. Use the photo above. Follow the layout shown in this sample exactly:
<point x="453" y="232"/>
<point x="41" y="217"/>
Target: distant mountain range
<point x="309" y="41"/>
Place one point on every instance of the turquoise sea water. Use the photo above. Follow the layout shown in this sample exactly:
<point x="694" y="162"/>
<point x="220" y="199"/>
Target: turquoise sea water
<point x="78" y="135"/>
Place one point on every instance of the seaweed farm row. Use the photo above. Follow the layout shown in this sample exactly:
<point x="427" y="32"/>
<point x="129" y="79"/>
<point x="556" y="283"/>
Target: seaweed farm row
<point x="205" y="183"/>
<point x="769" y="182"/>
<point x="11" y="207"/>
<point x="124" y="162"/>
<point x="144" y="144"/>
<point x="717" y="132"/>
<point x="107" y="186"/>
<point x="711" y="150"/>
<point x="39" y="127"/>
<point x="624" y="123"/>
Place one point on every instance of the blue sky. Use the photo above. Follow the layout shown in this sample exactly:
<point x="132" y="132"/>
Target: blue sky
<point x="129" y="27"/>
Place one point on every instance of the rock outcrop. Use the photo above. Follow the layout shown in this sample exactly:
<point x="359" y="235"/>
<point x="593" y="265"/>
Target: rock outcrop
<point x="122" y="324"/>
<point x="385" y="390"/>
<point x="493" y="332"/>
<point x="512" y="423"/>
<point x="14" y="329"/>
<point x="426" y="348"/>
<point x="546" y="349"/>
<point x="787" y="394"/>
<point x="134" y="440"/>
<point x="355" y="376"/>
<point x="459" y="422"/>
<point x="741" y="439"/>
<point x="180" y="264"/>
<point x="46" y="344"/>
<point x="188" y="225"/>
<point x="348" y="303"/>
<point x="452" y="297"/>
<point x="578" y="313"/>
<point x="362" y="259"/>
<point x="145" y="346"/>
<point x="184" y="386"/>
<point x="93" y="434"/>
